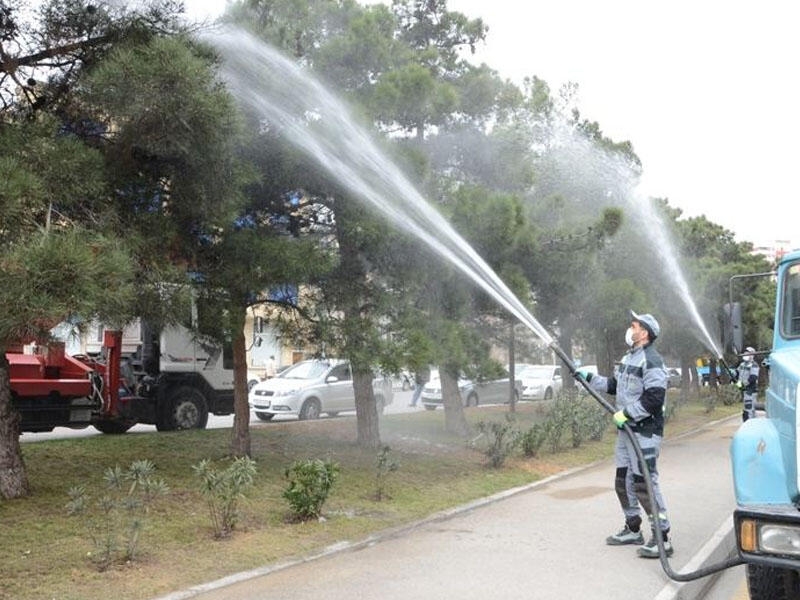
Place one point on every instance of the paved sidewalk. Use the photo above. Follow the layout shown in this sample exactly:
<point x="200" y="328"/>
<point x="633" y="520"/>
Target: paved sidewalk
<point x="543" y="541"/>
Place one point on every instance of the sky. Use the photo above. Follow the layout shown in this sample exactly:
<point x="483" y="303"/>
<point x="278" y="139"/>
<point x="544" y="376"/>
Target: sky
<point x="706" y="91"/>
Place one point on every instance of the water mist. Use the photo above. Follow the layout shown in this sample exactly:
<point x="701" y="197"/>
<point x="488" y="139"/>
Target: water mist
<point x="285" y="97"/>
<point x="577" y="164"/>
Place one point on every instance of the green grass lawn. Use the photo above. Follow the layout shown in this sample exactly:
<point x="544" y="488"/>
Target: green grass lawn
<point x="45" y="553"/>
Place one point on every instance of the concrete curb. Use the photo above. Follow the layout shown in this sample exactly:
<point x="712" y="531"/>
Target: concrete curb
<point x="720" y="547"/>
<point x="721" y="542"/>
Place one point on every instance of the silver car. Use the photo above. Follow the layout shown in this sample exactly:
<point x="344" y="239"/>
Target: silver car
<point x="473" y="393"/>
<point x="313" y="387"/>
<point x="540" y="382"/>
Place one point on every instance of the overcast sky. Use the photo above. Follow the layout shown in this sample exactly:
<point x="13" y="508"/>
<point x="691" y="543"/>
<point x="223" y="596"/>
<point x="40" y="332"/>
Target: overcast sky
<point x="705" y="90"/>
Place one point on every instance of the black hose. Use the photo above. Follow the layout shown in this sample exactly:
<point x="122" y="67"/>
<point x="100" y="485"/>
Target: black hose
<point x="731" y="373"/>
<point x="671" y="573"/>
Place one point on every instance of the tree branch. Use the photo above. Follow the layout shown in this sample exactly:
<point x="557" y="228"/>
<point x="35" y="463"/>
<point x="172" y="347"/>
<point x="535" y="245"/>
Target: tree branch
<point x="10" y="64"/>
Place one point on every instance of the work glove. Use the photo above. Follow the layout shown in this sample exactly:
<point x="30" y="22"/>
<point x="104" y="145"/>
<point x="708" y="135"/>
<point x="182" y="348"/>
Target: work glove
<point x="739" y="384"/>
<point x="620" y="418"/>
<point x="585" y="375"/>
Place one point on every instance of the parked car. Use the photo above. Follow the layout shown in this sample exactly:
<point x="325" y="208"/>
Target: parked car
<point x="473" y="393"/>
<point x="673" y="377"/>
<point x="253" y="378"/>
<point x="312" y="387"/>
<point x="541" y="382"/>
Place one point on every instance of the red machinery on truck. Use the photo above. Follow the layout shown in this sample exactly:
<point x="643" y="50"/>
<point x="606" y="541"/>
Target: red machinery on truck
<point x="186" y="379"/>
<point x="51" y="389"/>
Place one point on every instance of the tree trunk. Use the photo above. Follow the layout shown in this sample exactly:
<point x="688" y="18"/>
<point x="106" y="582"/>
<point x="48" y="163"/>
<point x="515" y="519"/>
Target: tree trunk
<point x="565" y="337"/>
<point x="687" y="368"/>
<point x="13" y="477"/>
<point x="240" y="439"/>
<point x="367" y="423"/>
<point x="696" y="379"/>
<point x="454" y="419"/>
<point x="512" y="369"/>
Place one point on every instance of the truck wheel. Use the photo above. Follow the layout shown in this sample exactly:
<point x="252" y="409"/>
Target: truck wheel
<point x="548" y="394"/>
<point x="472" y="399"/>
<point x="310" y="410"/>
<point x="188" y="409"/>
<point x="262" y="416"/>
<point x="772" y="583"/>
<point x="113" y="427"/>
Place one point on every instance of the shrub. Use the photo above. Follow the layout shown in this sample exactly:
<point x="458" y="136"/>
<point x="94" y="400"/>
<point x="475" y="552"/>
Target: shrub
<point x="710" y="397"/>
<point x="596" y="421"/>
<point x="223" y="490"/>
<point x="588" y="421"/>
<point x="730" y="394"/>
<point x="383" y="466"/>
<point x="310" y="482"/>
<point x="501" y="439"/>
<point x="533" y="439"/>
<point x="559" y="418"/>
<point x="116" y="520"/>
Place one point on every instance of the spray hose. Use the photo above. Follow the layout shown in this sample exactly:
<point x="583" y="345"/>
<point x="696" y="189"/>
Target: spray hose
<point x="731" y="373"/>
<point x="672" y="574"/>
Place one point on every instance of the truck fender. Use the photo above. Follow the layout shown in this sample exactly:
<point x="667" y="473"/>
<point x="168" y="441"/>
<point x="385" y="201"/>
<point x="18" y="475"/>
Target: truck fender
<point x="759" y="475"/>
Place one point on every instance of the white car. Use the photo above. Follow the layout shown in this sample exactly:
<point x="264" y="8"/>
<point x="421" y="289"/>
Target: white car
<point x="472" y="393"/>
<point x="540" y="382"/>
<point x="253" y="378"/>
<point x="313" y="387"/>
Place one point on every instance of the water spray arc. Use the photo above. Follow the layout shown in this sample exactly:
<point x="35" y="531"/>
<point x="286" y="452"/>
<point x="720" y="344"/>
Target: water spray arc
<point x="308" y="115"/>
<point x="285" y="97"/>
<point x="618" y="182"/>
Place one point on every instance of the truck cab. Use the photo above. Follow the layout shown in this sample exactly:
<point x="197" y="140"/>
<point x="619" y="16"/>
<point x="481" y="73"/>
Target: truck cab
<point x="181" y="378"/>
<point x="764" y="455"/>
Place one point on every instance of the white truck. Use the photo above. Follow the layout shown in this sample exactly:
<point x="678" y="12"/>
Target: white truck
<point x="171" y="379"/>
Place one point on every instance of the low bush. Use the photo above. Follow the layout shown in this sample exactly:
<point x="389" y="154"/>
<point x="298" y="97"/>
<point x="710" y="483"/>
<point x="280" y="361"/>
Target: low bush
<point x="500" y="440"/>
<point x="223" y="490"/>
<point x="383" y="466"/>
<point x="310" y="483"/>
<point x="115" y="521"/>
<point x="532" y="440"/>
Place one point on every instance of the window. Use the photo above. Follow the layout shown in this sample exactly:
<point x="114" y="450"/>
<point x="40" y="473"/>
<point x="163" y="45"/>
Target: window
<point x="790" y="302"/>
<point x="258" y="325"/>
<point x="341" y="372"/>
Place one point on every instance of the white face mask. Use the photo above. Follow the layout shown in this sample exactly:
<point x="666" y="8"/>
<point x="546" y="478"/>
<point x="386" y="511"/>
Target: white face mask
<point x="629" y="336"/>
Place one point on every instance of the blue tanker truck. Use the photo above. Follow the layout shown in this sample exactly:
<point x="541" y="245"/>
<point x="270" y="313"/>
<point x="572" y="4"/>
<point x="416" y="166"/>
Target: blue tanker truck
<point x="764" y="457"/>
